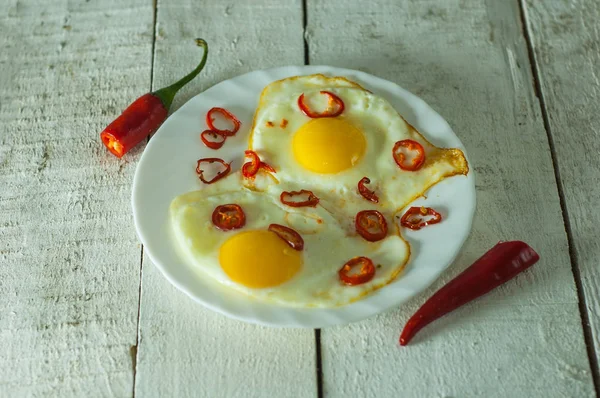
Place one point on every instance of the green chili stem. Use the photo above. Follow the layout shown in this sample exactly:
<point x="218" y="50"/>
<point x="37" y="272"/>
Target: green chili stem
<point x="167" y="94"/>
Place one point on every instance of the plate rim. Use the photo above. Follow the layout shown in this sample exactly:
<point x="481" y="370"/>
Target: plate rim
<point x="250" y="317"/>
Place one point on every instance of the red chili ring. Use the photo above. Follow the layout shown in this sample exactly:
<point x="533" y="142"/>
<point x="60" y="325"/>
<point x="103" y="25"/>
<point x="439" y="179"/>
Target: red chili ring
<point x="312" y="200"/>
<point x="365" y="223"/>
<point x="228" y="115"/>
<point x="329" y="112"/>
<point x="218" y="176"/>
<point x="367" y="271"/>
<point x="204" y="136"/>
<point x="366" y="192"/>
<point x="290" y="236"/>
<point x="411" y="145"/>
<point x="228" y="217"/>
<point x="413" y="218"/>
<point x="249" y="169"/>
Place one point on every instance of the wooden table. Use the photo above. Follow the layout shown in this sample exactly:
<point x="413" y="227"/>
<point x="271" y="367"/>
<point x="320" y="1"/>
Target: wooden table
<point x="84" y="313"/>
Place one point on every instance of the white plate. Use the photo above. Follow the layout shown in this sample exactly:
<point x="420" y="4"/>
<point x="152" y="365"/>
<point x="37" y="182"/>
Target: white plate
<point x="167" y="169"/>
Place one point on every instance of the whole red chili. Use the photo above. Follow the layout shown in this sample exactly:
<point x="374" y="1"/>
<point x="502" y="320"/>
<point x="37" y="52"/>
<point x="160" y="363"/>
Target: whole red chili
<point x="213" y="139"/>
<point x="415" y="217"/>
<point x="291" y="237"/>
<point x="145" y="115"/>
<point x="366" y="192"/>
<point x="228" y="217"/>
<point x="499" y="265"/>
<point x="293" y="198"/>
<point x="371" y="225"/>
<point x="335" y="107"/>
<point x="365" y="274"/>
<point x="219" y="175"/>
<point x="410" y="146"/>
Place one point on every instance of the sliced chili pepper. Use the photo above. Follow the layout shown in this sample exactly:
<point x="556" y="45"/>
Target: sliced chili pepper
<point x="145" y="115"/>
<point x="227" y="115"/>
<point x="415" y="217"/>
<point x="365" y="192"/>
<point x="366" y="273"/>
<point x="289" y="198"/>
<point x="228" y="217"/>
<point x="249" y="169"/>
<point x="410" y="146"/>
<point x="371" y="225"/>
<point x="334" y="108"/>
<point x="290" y="236"/>
<point x="217" y="137"/>
<point x="218" y="176"/>
<point x="499" y="265"/>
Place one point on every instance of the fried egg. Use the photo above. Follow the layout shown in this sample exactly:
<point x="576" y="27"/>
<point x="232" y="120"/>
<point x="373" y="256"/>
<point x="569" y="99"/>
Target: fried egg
<point x="330" y="155"/>
<point x="259" y="263"/>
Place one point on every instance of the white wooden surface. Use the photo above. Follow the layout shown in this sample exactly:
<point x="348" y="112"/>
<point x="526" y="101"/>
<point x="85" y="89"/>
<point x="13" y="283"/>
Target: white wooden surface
<point x="469" y="61"/>
<point x="566" y="41"/>
<point x="185" y="349"/>
<point x="70" y="260"/>
<point x="69" y="255"/>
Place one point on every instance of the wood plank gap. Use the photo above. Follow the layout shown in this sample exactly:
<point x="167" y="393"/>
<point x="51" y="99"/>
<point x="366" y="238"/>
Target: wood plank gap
<point x="137" y="328"/>
<point x="134" y="349"/>
<point x="154" y="19"/>
<point x="304" y="24"/>
<point x="585" y="320"/>
<point x="319" y="367"/>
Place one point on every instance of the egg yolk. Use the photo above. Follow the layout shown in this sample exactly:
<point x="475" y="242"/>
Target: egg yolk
<point x="259" y="259"/>
<point x="328" y="145"/>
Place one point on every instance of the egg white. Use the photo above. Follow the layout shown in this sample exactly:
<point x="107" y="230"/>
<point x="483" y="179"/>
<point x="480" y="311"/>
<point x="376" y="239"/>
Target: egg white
<point x="327" y="246"/>
<point x="382" y="127"/>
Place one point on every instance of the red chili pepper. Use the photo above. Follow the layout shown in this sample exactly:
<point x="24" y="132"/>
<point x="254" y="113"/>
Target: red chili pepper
<point x="145" y="115"/>
<point x="287" y="198"/>
<point x="335" y="107"/>
<point x="499" y="265"/>
<point x="249" y="169"/>
<point x="414" y="218"/>
<point x="218" y="176"/>
<point x="411" y="146"/>
<point x="290" y="236"/>
<point x="228" y="217"/>
<point x="227" y="115"/>
<point x="217" y="137"/>
<point x="366" y="273"/>
<point x="365" y="192"/>
<point x="371" y="225"/>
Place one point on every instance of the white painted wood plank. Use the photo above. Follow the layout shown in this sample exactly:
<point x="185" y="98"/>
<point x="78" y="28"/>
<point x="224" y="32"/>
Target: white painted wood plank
<point x="69" y="257"/>
<point x="185" y="349"/>
<point x="566" y="40"/>
<point x="469" y="61"/>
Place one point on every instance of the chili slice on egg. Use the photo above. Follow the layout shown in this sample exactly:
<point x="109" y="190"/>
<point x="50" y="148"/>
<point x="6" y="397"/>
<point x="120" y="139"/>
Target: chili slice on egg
<point x="291" y="237"/>
<point x="249" y="169"/>
<point x="218" y="176"/>
<point x="290" y="198"/>
<point x="417" y="217"/>
<point x="366" y="192"/>
<point x="335" y="106"/>
<point x="213" y="139"/>
<point x="371" y="225"/>
<point x="228" y="116"/>
<point x="228" y="217"/>
<point x="364" y="275"/>
<point x="410" y="147"/>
